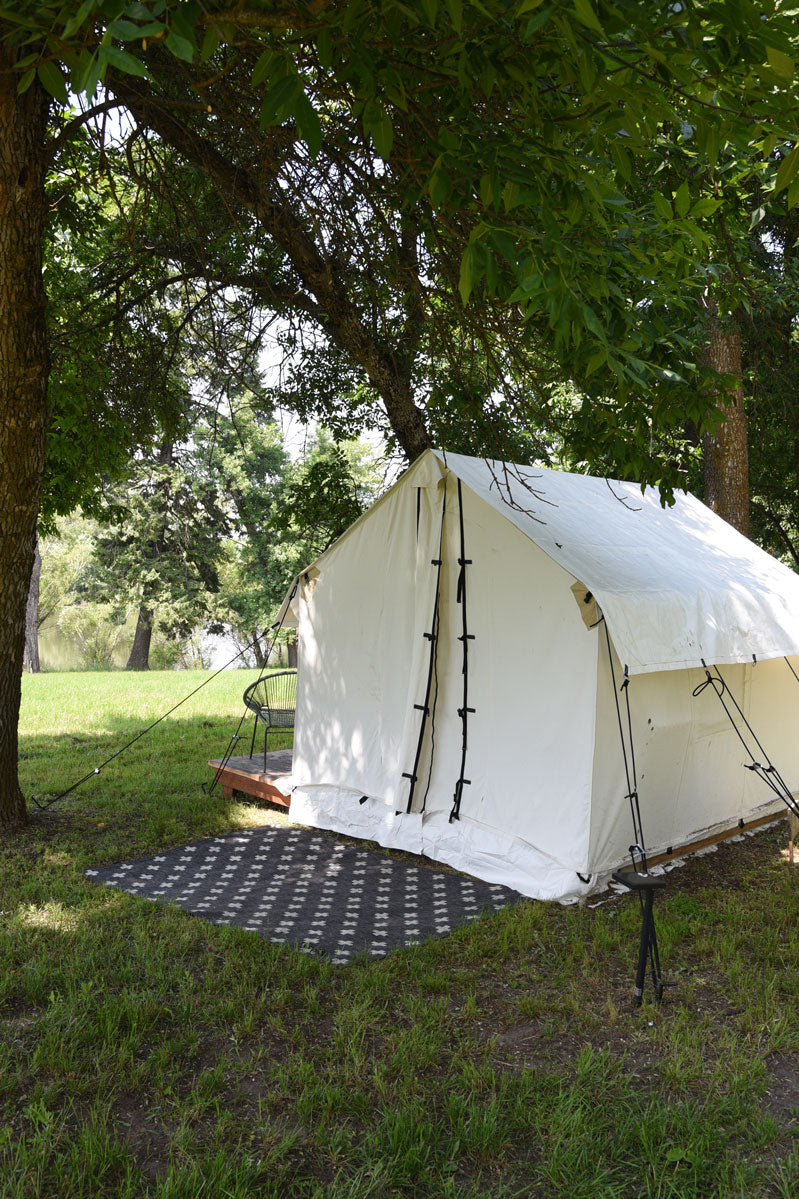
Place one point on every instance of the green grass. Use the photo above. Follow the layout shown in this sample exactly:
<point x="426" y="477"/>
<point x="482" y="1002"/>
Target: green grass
<point x="144" y="1052"/>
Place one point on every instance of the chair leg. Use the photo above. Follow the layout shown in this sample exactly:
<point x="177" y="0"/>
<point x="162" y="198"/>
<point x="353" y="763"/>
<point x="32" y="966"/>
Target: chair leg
<point x="648" y="948"/>
<point x="643" y="950"/>
<point x="254" y="731"/>
<point x="654" y="959"/>
<point x="266" y="738"/>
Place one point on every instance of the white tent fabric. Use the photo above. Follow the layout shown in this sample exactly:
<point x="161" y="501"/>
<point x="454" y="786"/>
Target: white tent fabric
<point x="676" y="585"/>
<point x="379" y="735"/>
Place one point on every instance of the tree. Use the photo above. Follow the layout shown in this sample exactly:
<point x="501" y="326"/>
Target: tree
<point x="161" y="553"/>
<point x="23" y="390"/>
<point x="477" y="149"/>
<point x="280" y="514"/>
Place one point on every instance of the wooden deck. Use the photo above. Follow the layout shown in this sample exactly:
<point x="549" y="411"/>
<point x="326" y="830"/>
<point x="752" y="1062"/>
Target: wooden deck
<point x="250" y="776"/>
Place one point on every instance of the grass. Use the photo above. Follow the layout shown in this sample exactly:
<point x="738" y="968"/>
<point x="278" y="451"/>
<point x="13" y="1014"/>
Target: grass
<point x="144" y="1052"/>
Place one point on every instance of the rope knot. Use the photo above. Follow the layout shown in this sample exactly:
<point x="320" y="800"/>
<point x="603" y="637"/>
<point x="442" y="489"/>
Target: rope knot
<point x="714" y="681"/>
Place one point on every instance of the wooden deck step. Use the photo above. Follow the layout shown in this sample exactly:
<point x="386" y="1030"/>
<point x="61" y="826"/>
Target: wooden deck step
<point x="254" y="777"/>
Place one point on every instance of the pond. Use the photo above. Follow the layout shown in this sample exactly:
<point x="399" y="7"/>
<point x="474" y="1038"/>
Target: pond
<point x="59" y="652"/>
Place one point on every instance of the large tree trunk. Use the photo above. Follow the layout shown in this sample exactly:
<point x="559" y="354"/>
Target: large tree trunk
<point x="23" y="392"/>
<point x="726" y="451"/>
<point x="140" y="650"/>
<point x="30" y="660"/>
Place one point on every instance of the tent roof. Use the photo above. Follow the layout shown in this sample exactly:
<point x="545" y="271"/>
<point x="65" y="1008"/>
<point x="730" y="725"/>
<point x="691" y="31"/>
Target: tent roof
<point x="676" y="585"/>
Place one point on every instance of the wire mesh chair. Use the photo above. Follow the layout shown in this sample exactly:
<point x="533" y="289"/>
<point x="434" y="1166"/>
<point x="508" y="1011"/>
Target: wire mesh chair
<point x="273" y="699"/>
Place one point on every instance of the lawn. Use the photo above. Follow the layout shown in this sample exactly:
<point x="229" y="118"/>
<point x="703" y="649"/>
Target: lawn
<point x="146" y="1052"/>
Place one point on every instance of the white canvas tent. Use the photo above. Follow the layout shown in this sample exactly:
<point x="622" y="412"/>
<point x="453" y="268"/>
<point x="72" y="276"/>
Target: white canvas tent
<point x="536" y="575"/>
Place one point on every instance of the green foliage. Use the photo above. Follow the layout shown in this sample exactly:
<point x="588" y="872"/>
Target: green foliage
<point x="771" y="360"/>
<point x="113" y="386"/>
<point x="205" y="536"/>
<point x="162" y="550"/>
<point x="95" y="636"/>
<point x="510" y="139"/>
<point x="285" y="514"/>
<point x="66" y="554"/>
<point x="242" y="456"/>
<point x="327" y="491"/>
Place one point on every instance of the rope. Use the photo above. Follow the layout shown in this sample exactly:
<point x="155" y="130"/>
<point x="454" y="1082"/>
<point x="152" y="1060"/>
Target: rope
<point x="432" y="636"/>
<point x="768" y="772"/>
<point x="464" y="638"/>
<point x="629" y="765"/>
<point x="143" y="733"/>
<point x="631" y="774"/>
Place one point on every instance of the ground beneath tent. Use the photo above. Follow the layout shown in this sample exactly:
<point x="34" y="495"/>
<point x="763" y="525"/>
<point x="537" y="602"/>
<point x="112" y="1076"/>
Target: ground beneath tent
<point x="295" y="887"/>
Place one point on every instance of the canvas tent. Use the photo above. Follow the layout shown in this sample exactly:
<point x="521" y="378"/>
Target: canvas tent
<point x="455" y="691"/>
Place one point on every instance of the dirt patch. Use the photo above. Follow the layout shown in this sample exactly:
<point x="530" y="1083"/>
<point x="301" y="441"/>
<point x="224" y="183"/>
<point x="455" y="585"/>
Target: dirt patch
<point x="143" y="1134"/>
<point x="781" y="1099"/>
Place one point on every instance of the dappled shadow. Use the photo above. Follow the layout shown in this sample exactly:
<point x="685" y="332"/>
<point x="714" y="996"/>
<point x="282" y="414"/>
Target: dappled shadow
<point x="156" y="792"/>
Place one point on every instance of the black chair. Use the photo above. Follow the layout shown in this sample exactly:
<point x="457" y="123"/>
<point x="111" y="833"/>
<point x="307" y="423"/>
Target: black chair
<point x="645" y="885"/>
<point x="273" y="699"/>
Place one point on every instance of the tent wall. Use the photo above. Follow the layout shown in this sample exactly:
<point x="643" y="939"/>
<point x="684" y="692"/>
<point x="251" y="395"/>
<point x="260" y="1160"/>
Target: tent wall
<point x="525" y="813"/>
<point x="690" y="763"/>
<point x="532" y="682"/>
<point x="363" y="654"/>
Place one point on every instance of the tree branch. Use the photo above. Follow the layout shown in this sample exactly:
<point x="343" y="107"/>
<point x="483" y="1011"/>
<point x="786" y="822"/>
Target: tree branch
<point x="71" y="127"/>
<point x="342" y="321"/>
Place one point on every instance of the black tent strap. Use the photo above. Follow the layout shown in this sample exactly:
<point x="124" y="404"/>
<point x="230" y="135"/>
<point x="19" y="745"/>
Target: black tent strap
<point x="431" y="711"/>
<point x="432" y="637"/>
<point x="765" y="770"/>
<point x="96" y="770"/>
<point x="628" y="756"/>
<point x="236" y="737"/>
<point x="464" y="711"/>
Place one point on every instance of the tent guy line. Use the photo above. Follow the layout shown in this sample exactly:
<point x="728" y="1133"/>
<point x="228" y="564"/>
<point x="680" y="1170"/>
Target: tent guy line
<point x="768" y="773"/>
<point x="639" y="844"/>
<point x="96" y="770"/>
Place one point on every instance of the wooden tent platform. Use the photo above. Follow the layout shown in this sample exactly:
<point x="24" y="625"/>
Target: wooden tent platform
<point x="250" y="776"/>
<point x="743" y="826"/>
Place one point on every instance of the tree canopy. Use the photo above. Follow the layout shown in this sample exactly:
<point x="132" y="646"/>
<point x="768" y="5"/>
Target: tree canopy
<point x="459" y="182"/>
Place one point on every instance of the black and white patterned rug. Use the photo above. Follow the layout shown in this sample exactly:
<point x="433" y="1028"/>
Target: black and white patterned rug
<point x="295" y="887"/>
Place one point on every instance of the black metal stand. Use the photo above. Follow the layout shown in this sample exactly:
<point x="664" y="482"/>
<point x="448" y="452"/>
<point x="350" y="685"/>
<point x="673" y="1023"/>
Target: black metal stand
<point x="646" y="885"/>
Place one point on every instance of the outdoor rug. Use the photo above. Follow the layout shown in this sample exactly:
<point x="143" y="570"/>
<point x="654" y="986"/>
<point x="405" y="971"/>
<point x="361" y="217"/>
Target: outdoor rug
<point x="295" y="887"/>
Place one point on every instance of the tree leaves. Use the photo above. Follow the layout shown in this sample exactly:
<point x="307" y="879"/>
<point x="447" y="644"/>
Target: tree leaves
<point x="112" y="56"/>
<point x="52" y="80"/>
<point x="559" y="164"/>
<point x="377" y="126"/>
<point x="780" y="63"/>
<point x="788" y="167"/>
